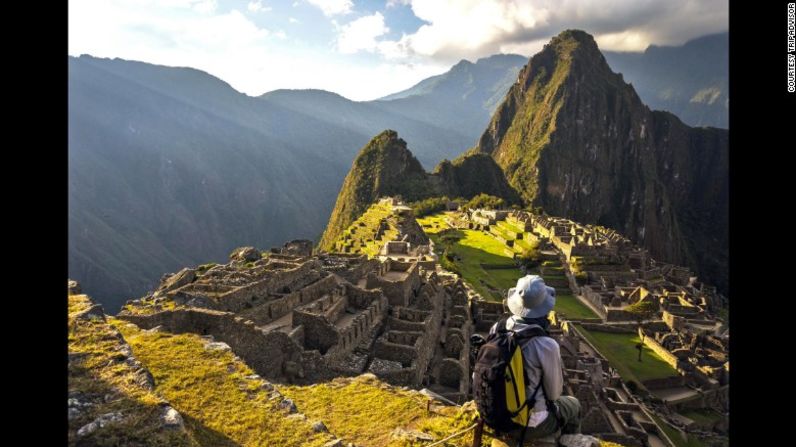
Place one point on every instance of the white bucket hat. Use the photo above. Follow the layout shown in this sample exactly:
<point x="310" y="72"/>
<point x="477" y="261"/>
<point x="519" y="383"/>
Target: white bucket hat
<point x="531" y="298"/>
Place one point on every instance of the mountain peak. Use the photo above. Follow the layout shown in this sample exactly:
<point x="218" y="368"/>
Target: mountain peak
<point x="570" y="120"/>
<point x="576" y="35"/>
<point x="383" y="167"/>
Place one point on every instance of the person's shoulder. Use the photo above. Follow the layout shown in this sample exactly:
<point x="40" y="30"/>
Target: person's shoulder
<point x="546" y="342"/>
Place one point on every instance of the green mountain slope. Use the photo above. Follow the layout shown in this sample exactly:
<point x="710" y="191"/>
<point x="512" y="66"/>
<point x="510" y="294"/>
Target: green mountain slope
<point x="385" y="167"/>
<point x="574" y="138"/>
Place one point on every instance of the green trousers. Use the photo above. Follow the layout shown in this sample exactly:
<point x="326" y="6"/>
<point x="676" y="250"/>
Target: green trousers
<point x="568" y="421"/>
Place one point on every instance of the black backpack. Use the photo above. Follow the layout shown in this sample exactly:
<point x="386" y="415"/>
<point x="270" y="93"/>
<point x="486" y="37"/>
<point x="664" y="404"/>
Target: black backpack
<point x="499" y="379"/>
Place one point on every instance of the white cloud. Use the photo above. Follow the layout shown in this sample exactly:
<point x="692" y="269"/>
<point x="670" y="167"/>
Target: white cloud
<point x="361" y="34"/>
<point x="333" y="7"/>
<point x="229" y="45"/>
<point x="293" y="20"/>
<point x="258" y="6"/>
<point x="394" y="3"/>
<point x="470" y="29"/>
<point x="204" y="6"/>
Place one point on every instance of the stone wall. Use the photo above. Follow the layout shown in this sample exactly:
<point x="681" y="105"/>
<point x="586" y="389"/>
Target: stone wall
<point x="254" y="293"/>
<point x="664" y="353"/>
<point x="267" y="353"/>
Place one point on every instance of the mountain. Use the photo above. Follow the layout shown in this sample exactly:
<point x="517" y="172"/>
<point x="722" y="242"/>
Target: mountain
<point x="172" y="166"/>
<point x="433" y="142"/>
<point x="690" y="80"/>
<point x="463" y="99"/>
<point x="386" y="167"/>
<point x="575" y="139"/>
<point x="441" y="115"/>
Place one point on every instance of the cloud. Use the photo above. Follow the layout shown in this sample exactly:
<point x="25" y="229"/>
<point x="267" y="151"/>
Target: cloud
<point x="333" y="7"/>
<point x="204" y="6"/>
<point x="257" y="6"/>
<point x="394" y="3"/>
<point x="227" y="43"/>
<point x="293" y="20"/>
<point x="457" y="29"/>
<point x="361" y="34"/>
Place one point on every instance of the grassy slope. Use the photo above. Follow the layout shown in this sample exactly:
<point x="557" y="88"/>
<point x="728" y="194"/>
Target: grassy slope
<point x="210" y="389"/>
<point x="102" y="373"/>
<point x="477" y="247"/>
<point x="570" y="306"/>
<point x="365" y="411"/>
<point x="620" y="350"/>
<point x="371" y="218"/>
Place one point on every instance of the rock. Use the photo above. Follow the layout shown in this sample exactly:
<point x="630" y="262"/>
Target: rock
<point x="94" y="312"/>
<point x="367" y="377"/>
<point x="319" y="427"/>
<point x="245" y="254"/>
<point x="293" y="370"/>
<point x="578" y="441"/>
<point x="73" y="413"/>
<point x="73" y="287"/>
<point x="198" y="301"/>
<point x="98" y="423"/>
<point x="334" y="443"/>
<point x="179" y="279"/>
<point x="144" y="378"/>
<point x="410" y="435"/>
<point x="171" y="418"/>
<point x="217" y="345"/>
<point x="287" y="404"/>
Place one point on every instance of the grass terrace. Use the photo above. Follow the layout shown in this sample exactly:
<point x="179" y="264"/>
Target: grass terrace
<point x="571" y="307"/>
<point x="434" y="223"/>
<point x="210" y="388"/>
<point x="361" y="235"/>
<point x="620" y="350"/>
<point x="480" y="259"/>
<point x="97" y="370"/>
<point x="365" y="411"/>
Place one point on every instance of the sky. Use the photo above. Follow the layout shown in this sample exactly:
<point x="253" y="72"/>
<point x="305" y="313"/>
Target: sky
<point x="365" y="49"/>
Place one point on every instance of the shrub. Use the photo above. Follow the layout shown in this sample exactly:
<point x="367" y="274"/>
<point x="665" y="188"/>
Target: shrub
<point x="485" y="201"/>
<point x="429" y="206"/>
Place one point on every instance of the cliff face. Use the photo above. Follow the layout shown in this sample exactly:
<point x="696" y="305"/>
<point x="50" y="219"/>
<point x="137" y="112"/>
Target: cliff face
<point x="472" y="174"/>
<point x="574" y="138"/>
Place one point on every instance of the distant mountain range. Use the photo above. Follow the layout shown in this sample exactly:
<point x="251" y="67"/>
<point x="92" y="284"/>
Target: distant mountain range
<point x="690" y="81"/>
<point x="171" y="166"/>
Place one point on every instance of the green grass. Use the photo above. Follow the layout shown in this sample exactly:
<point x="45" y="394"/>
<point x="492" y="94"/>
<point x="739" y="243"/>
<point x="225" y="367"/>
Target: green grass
<point x="570" y="306"/>
<point x="434" y="223"/>
<point x="620" y="350"/>
<point x="210" y="389"/>
<point x="476" y="248"/>
<point x="358" y="238"/>
<point x="100" y="370"/>
<point x="365" y="411"/>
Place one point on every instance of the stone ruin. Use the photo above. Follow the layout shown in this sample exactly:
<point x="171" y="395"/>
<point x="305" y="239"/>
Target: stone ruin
<point x="300" y="317"/>
<point x="303" y="319"/>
